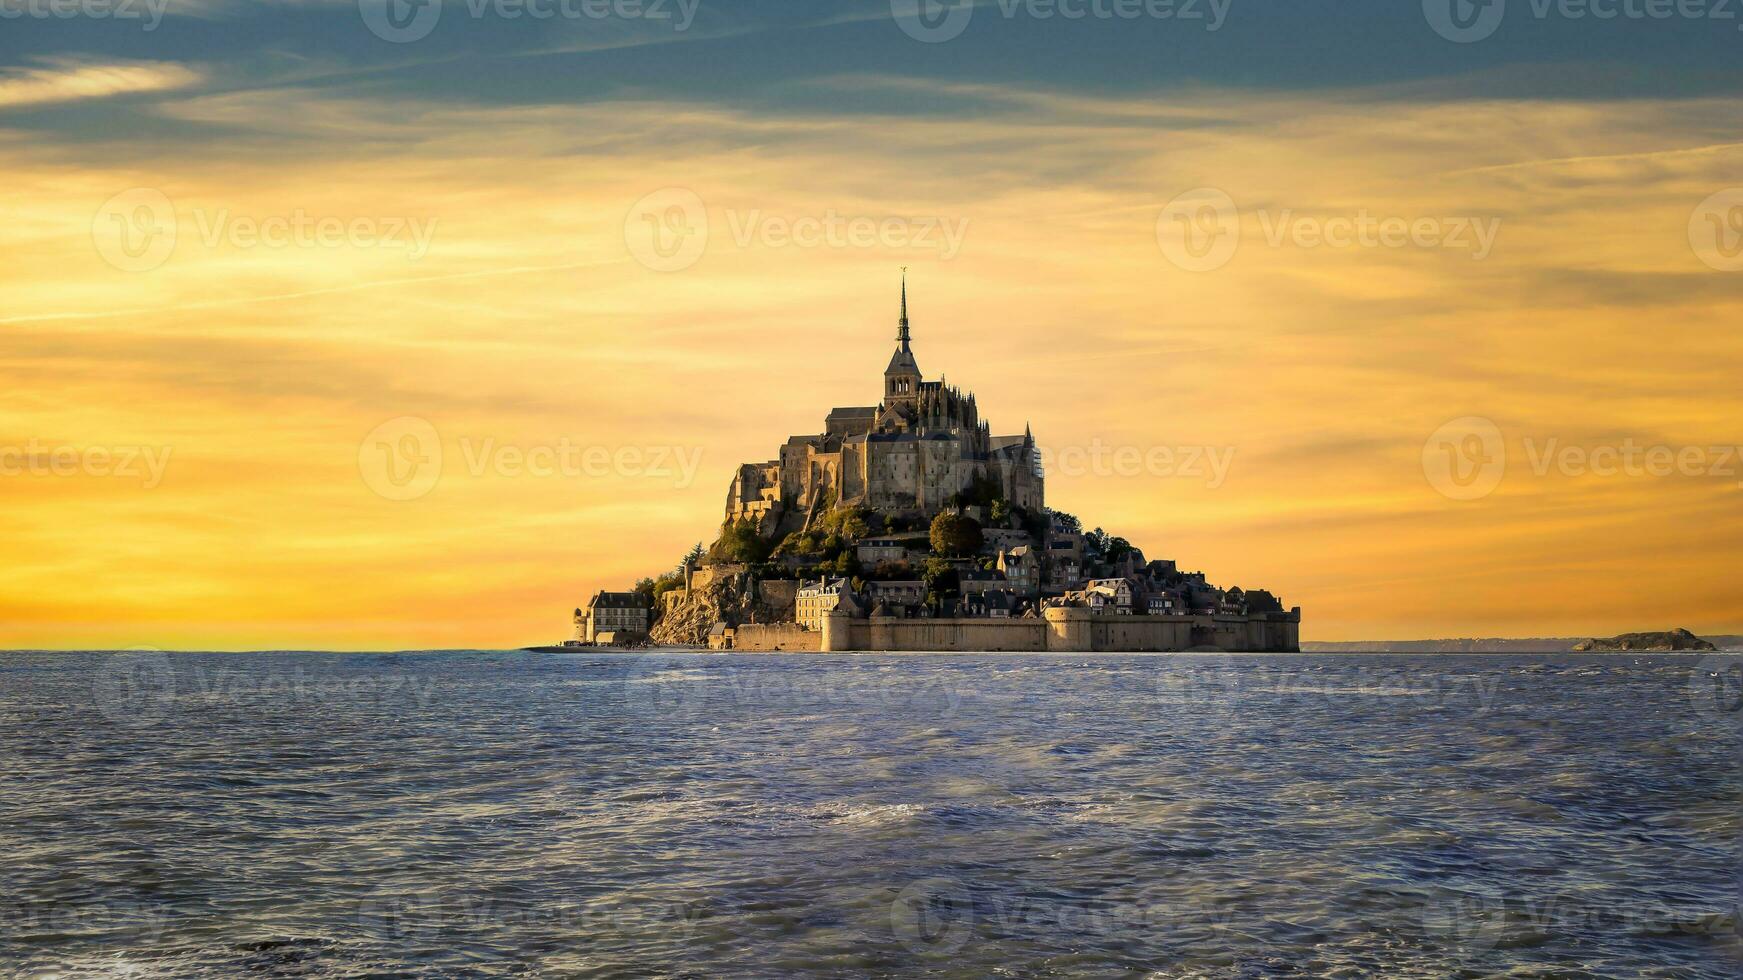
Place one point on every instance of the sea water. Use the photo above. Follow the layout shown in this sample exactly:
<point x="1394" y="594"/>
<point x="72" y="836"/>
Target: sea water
<point x="665" y="814"/>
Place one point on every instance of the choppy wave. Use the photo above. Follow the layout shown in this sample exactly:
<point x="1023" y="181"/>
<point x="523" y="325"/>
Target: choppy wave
<point x="672" y="814"/>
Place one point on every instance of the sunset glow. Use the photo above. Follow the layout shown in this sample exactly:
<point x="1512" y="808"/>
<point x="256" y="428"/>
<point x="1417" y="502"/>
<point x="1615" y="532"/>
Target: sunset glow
<point x="370" y="238"/>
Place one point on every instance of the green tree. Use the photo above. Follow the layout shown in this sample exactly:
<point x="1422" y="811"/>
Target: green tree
<point x="955" y="535"/>
<point x="800" y="543"/>
<point x="1067" y="522"/>
<point x="1098" y="539"/>
<point x="739" y="542"/>
<point x="940" y="576"/>
<point x="669" y="582"/>
<point x="1000" y="514"/>
<point x="854" y="526"/>
<point x="847" y="522"/>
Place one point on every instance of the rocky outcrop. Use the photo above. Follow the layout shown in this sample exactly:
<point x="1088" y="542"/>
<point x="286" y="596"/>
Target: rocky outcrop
<point x="1648" y="642"/>
<point x="685" y="617"/>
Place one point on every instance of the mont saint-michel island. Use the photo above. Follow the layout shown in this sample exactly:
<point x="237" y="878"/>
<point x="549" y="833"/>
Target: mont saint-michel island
<point x="908" y="526"/>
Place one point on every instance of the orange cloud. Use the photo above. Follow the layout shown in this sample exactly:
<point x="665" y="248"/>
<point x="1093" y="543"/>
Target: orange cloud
<point x="529" y="325"/>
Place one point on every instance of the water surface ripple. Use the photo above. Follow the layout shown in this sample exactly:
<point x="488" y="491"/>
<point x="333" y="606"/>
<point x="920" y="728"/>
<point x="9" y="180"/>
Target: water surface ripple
<point x="688" y="815"/>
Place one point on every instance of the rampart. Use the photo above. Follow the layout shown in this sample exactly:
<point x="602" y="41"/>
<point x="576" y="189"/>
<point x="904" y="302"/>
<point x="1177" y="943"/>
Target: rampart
<point x="776" y="637"/>
<point x="1059" y="630"/>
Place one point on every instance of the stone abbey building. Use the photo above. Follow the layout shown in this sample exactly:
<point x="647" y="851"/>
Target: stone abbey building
<point x="909" y="455"/>
<point x="852" y="565"/>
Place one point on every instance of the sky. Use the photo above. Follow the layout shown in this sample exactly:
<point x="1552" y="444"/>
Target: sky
<point x="342" y="325"/>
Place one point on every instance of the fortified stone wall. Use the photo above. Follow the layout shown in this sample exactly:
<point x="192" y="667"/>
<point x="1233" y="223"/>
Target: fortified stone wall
<point x="702" y="576"/>
<point x="776" y="637"/>
<point x="886" y="633"/>
<point x="1063" y="631"/>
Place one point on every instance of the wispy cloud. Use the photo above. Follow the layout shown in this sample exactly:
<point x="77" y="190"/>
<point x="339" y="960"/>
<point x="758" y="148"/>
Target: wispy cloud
<point x="66" y="80"/>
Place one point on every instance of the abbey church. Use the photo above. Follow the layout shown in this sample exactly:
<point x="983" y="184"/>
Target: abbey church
<point x="909" y="455"/>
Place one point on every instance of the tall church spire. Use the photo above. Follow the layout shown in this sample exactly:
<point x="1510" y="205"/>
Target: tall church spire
<point x="902" y="377"/>
<point x="902" y="333"/>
